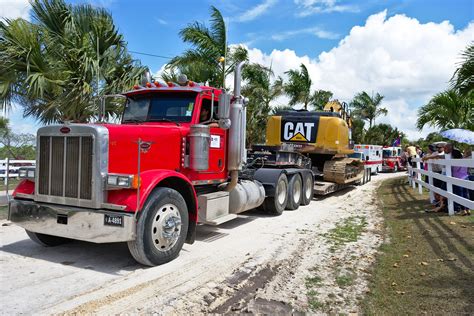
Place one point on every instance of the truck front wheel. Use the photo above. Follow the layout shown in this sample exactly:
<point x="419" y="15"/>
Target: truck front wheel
<point x="161" y="229"/>
<point x="47" y="240"/>
<point x="277" y="204"/>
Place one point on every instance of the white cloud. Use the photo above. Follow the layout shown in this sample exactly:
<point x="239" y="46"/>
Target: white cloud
<point x="12" y="9"/>
<point x="316" y="31"/>
<point x="256" y="11"/>
<point x="399" y="57"/>
<point x="161" y="21"/>
<point x="310" y="7"/>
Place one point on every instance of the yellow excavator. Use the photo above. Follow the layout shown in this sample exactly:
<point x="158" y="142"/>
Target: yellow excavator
<point x="321" y="140"/>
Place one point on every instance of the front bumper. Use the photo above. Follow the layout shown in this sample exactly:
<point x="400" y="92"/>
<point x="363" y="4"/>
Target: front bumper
<point x="69" y="222"/>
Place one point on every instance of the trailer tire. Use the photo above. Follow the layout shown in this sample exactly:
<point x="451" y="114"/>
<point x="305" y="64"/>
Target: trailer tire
<point x="276" y="204"/>
<point x="308" y="189"/>
<point x="161" y="228"/>
<point x="395" y="168"/>
<point x="295" y="192"/>
<point x="47" y="240"/>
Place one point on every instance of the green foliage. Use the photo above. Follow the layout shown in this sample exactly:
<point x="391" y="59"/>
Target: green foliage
<point x="358" y="131"/>
<point x="383" y="134"/>
<point x="15" y="146"/>
<point x="320" y="98"/>
<point x="368" y="107"/>
<point x="463" y="78"/>
<point x="260" y="91"/>
<point x="202" y="62"/>
<point x="446" y="110"/>
<point x="57" y="66"/>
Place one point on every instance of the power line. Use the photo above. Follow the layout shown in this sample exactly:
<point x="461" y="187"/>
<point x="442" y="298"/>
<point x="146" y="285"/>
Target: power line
<point x="152" y="55"/>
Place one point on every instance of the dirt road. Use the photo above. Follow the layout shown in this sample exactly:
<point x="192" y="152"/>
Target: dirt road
<point x="256" y="263"/>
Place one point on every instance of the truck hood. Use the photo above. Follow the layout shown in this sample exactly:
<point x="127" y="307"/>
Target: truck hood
<point x="161" y="147"/>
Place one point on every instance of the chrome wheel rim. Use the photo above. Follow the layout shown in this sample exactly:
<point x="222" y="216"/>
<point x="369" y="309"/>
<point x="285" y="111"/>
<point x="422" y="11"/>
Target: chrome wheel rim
<point x="166" y="227"/>
<point x="297" y="192"/>
<point x="281" y="192"/>
<point x="308" y="188"/>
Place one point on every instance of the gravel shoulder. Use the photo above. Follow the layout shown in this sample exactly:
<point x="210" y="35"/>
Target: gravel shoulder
<point x="256" y="263"/>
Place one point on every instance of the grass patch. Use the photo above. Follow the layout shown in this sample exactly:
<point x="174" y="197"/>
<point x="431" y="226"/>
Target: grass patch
<point x="313" y="282"/>
<point x="348" y="230"/>
<point x="344" y="280"/>
<point x="12" y="183"/>
<point x="428" y="264"/>
<point x="312" y="295"/>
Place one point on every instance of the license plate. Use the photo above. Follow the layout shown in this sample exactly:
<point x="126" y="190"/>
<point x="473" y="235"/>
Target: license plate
<point x="113" y="220"/>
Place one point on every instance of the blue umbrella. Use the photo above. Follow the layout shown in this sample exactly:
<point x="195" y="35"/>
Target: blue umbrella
<point x="459" y="135"/>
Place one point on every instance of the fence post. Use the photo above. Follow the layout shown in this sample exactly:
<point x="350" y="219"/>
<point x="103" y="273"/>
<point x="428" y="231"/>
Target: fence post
<point x="418" y="176"/>
<point x="412" y="177"/>
<point x="7" y="174"/>
<point x="430" y="180"/>
<point x="449" y="188"/>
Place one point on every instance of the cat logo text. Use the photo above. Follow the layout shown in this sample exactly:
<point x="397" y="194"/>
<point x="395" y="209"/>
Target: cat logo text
<point x="298" y="131"/>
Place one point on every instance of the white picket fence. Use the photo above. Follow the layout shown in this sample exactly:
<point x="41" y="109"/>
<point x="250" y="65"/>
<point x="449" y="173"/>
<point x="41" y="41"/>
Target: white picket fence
<point x="9" y="168"/>
<point x="414" y="177"/>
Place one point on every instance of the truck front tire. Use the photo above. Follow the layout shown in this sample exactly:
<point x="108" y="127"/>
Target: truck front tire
<point x="47" y="240"/>
<point x="161" y="228"/>
<point x="276" y="204"/>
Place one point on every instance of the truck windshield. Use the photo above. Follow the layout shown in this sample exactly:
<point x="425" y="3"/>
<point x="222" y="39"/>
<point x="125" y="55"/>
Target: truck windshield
<point x="386" y="153"/>
<point x="356" y="155"/>
<point x="162" y="107"/>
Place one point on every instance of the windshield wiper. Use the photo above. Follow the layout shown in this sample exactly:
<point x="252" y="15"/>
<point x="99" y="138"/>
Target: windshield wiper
<point x="164" y="120"/>
<point x="132" y="121"/>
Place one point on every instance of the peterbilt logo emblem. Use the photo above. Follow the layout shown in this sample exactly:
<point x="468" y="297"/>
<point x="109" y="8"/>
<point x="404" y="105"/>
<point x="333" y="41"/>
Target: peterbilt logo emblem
<point x="299" y="132"/>
<point x="64" y="129"/>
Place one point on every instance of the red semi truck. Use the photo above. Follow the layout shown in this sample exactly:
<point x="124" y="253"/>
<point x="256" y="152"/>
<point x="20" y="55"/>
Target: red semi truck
<point x="177" y="159"/>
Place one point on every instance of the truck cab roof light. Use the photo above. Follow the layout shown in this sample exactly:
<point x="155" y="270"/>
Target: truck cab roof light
<point x="136" y="87"/>
<point x="172" y="84"/>
<point x="148" y="85"/>
<point x="157" y="84"/>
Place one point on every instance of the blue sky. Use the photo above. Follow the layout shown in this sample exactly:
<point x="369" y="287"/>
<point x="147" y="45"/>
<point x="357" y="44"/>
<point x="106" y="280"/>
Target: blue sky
<point x="406" y="50"/>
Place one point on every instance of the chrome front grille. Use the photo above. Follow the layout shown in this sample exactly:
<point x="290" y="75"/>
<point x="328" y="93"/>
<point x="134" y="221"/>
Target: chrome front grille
<point x="66" y="166"/>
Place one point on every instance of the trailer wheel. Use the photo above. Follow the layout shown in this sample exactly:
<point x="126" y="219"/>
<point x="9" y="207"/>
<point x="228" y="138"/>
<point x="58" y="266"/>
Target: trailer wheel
<point x="47" y="240"/>
<point x="395" y="168"/>
<point x="308" y="189"/>
<point x="161" y="228"/>
<point x="295" y="192"/>
<point x="277" y="204"/>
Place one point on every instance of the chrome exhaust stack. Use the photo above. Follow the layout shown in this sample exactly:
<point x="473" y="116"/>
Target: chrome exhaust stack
<point x="236" y="150"/>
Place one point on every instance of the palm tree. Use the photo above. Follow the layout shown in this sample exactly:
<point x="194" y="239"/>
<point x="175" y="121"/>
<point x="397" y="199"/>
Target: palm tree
<point x="59" y="66"/>
<point x="367" y="107"/>
<point x="209" y="59"/>
<point x="298" y="87"/>
<point x="261" y="92"/>
<point x="382" y="134"/>
<point x="320" y="98"/>
<point x="463" y="78"/>
<point x="448" y="109"/>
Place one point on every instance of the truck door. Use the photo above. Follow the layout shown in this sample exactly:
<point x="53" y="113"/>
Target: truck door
<point x="217" y="153"/>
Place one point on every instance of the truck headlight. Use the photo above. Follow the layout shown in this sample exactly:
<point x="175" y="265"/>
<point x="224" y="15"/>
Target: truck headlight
<point x="124" y="181"/>
<point x="26" y="173"/>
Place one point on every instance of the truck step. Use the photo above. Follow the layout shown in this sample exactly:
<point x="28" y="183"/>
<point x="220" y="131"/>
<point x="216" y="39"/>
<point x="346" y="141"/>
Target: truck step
<point x="325" y="188"/>
<point x="221" y="219"/>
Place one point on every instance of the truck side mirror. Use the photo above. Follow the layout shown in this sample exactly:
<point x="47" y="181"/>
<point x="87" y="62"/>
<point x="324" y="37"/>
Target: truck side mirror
<point x="223" y="111"/>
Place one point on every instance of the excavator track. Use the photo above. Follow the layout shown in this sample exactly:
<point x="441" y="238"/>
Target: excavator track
<point x="343" y="170"/>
